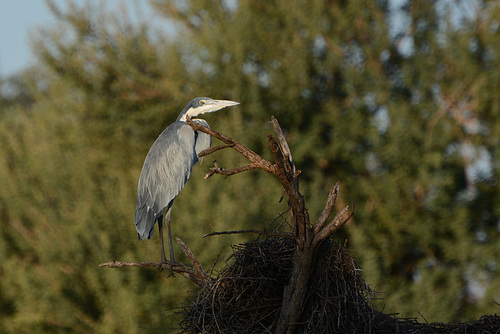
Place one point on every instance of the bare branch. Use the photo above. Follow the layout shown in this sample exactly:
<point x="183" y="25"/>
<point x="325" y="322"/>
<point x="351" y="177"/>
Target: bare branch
<point x="280" y="172"/>
<point x="280" y="235"/>
<point x="197" y="265"/>
<point x="298" y="213"/>
<point x="264" y="165"/>
<point x="337" y="222"/>
<point x="197" y="275"/>
<point x="228" y="172"/>
<point x="180" y="268"/>
<point x="327" y="211"/>
<point x="212" y="170"/>
<point x="120" y="264"/>
<point x="284" y="148"/>
<point x="213" y="149"/>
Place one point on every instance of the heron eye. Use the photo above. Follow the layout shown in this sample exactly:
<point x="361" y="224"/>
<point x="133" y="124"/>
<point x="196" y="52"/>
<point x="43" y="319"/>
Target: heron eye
<point x="202" y="102"/>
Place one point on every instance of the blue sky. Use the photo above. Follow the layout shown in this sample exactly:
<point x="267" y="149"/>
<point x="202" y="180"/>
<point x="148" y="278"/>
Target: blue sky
<point x="19" y="18"/>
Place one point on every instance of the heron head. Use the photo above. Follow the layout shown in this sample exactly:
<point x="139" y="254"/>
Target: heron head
<point x="202" y="105"/>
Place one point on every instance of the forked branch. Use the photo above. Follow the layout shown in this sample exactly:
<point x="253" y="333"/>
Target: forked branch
<point x="228" y="172"/>
<point x="307" y="237"/>
<point x="194" y="273"/>
<point x="262" y="164"/>
<point x="328" y="209"/>
<point x="213" y="149"/>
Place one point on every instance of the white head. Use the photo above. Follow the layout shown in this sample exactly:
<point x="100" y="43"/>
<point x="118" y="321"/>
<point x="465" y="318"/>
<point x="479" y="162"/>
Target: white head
<point x="202" y="105"/>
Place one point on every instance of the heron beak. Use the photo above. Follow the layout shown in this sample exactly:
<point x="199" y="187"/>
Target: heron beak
<point x="209" y="105"/>
<point x="219" y="104"/>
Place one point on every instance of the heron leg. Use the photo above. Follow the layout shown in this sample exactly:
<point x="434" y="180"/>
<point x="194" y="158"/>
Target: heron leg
<point x="160" y="228"/>
<point x="167" y="223"/>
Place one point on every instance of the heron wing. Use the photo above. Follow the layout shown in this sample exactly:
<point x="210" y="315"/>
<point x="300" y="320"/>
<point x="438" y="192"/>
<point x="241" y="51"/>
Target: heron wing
<point x="166" y="169"/>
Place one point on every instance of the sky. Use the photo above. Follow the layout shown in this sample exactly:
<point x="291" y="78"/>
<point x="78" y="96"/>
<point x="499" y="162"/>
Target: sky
<point x="19" y="18"/>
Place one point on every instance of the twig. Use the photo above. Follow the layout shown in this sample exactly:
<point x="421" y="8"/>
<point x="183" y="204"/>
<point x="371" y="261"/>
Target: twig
<point x="197" y="275"/>
<point x="177" y="267"/>
<point x="213" y="149"/>
<point x="337" y="222"/>
<point x="120" y="264"/>
<point x="284" y="148"/>
<point x="327" y="211"/>
<point x="264" y="165"/>
<point x="228" y="172"/>
<point x="274" y="234"/>
<point x="180" y="268"/>
<point x="197" y="265"/>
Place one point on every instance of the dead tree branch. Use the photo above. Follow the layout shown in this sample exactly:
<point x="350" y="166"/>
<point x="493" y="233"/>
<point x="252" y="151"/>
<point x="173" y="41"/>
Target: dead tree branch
<point x="228" y="172"/>
<point x="327" y="211"/>
<point x="285" y="150"/>
<point x="337" y="222"/>
<point x="196" y="264"/>
<point x="264" y="165"/>
<point x="179" y="268"/>
<point x="307" y="237"/>
<point x="212" y="149"/>
<point x="197" y="275"/>
<point x="273" y="234"/>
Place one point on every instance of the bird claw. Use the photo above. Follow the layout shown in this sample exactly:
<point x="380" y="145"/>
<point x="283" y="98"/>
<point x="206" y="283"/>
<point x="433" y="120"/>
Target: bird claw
<point x="169" y="264"/>
<point x="171" y="274"/>
<point x="162" y="262"/>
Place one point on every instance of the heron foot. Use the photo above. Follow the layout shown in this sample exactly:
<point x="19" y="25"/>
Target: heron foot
<point x="170" y="264"/>
<point x="162" y="262"/>
<point x="160" y="265"/>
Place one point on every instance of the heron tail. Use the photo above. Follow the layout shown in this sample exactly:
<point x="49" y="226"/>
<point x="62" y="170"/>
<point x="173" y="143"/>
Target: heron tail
<point x="145" y="222"/>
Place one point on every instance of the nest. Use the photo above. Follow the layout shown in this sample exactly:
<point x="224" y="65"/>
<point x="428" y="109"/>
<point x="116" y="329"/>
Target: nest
<point x="246" y="297"/>
<point x="487" y="324"/>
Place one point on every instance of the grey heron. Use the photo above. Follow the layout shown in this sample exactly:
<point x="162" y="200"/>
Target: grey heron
<point x="168" y="166"/>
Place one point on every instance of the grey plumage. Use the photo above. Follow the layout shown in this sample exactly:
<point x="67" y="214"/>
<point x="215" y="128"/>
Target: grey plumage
<point x="166" y="169"/>
<point x="168" y="165"/>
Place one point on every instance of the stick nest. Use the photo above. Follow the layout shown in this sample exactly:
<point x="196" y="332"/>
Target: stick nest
<point x="246" y="297"/>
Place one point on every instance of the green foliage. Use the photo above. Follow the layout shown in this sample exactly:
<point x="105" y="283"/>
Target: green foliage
<point x="391" y="126"/>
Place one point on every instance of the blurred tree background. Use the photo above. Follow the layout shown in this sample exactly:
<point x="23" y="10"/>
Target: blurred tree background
<point x="397" y="99"/>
